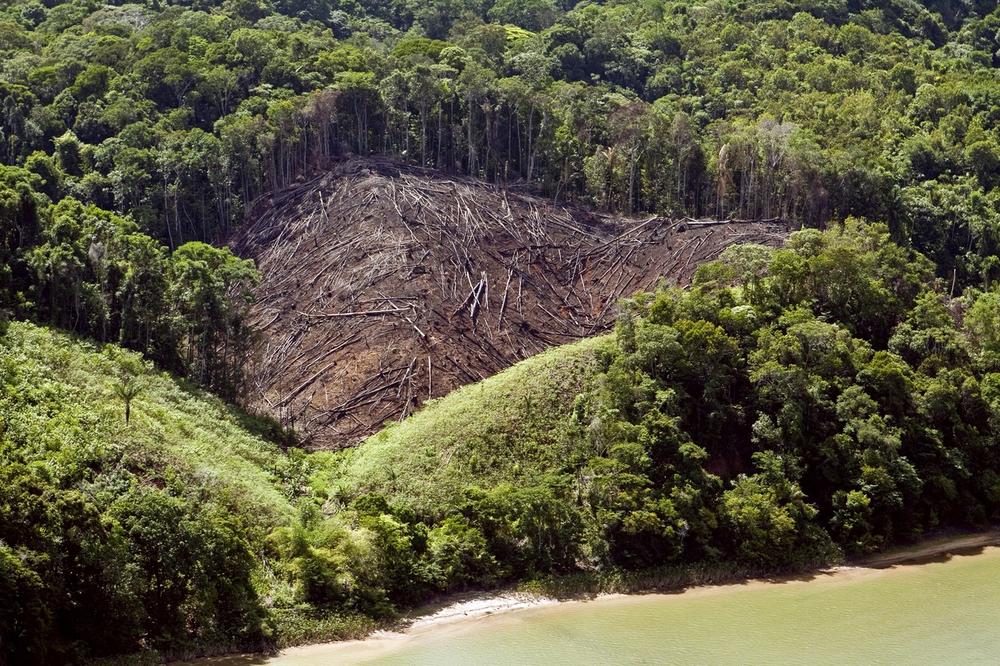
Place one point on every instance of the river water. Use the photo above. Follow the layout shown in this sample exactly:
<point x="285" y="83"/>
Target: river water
<point x="939" y="612"/>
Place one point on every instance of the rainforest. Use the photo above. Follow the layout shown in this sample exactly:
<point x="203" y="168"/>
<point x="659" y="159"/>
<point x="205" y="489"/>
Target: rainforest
<point x="314" y="311"/>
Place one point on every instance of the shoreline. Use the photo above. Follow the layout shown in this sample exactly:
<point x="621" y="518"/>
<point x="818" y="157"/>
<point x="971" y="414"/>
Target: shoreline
<point x="929" y="549"/>
<point x="461" y="609"/>
<point x="470" y="606"/>
<point x="480" y="604"/>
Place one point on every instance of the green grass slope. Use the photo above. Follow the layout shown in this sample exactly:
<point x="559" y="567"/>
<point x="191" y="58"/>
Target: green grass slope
<point x="508" y="428"/>
<point x="60" y="401"/>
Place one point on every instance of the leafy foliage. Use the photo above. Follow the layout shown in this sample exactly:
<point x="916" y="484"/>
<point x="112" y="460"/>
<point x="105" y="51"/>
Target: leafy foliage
<point x="184" y="116"/>
<point x="87" y="270"/>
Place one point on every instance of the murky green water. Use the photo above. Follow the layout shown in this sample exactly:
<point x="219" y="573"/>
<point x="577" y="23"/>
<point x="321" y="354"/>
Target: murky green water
<point x="934" y="613"/>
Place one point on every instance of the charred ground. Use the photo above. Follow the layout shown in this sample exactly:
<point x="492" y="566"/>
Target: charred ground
<point x="385" y="285"/>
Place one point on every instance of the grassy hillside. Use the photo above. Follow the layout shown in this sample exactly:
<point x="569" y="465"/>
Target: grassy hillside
<point x="61" y="403"/>
<point x="512" y="427"/>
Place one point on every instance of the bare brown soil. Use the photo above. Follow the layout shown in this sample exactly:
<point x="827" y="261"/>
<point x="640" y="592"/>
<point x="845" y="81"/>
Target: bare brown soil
<point x="385" y="285"/>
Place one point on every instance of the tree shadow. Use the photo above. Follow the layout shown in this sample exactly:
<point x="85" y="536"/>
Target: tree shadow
<point x="230" y="660"/>
<point x="939" y="557"/>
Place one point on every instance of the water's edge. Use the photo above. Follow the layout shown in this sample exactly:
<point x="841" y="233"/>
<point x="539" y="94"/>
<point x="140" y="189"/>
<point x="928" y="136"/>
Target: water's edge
<point x="466" y="607"/>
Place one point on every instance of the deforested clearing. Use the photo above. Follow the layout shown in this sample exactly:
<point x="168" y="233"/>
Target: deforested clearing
<point x="384" y="285"/>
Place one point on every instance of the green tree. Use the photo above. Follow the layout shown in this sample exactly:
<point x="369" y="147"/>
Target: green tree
<point x="212" y="289"/>
<point x="129" y="382"/>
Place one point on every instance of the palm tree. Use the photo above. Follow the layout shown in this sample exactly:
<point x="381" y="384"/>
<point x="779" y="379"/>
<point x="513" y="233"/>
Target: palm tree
<point x="130" y="382"/>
